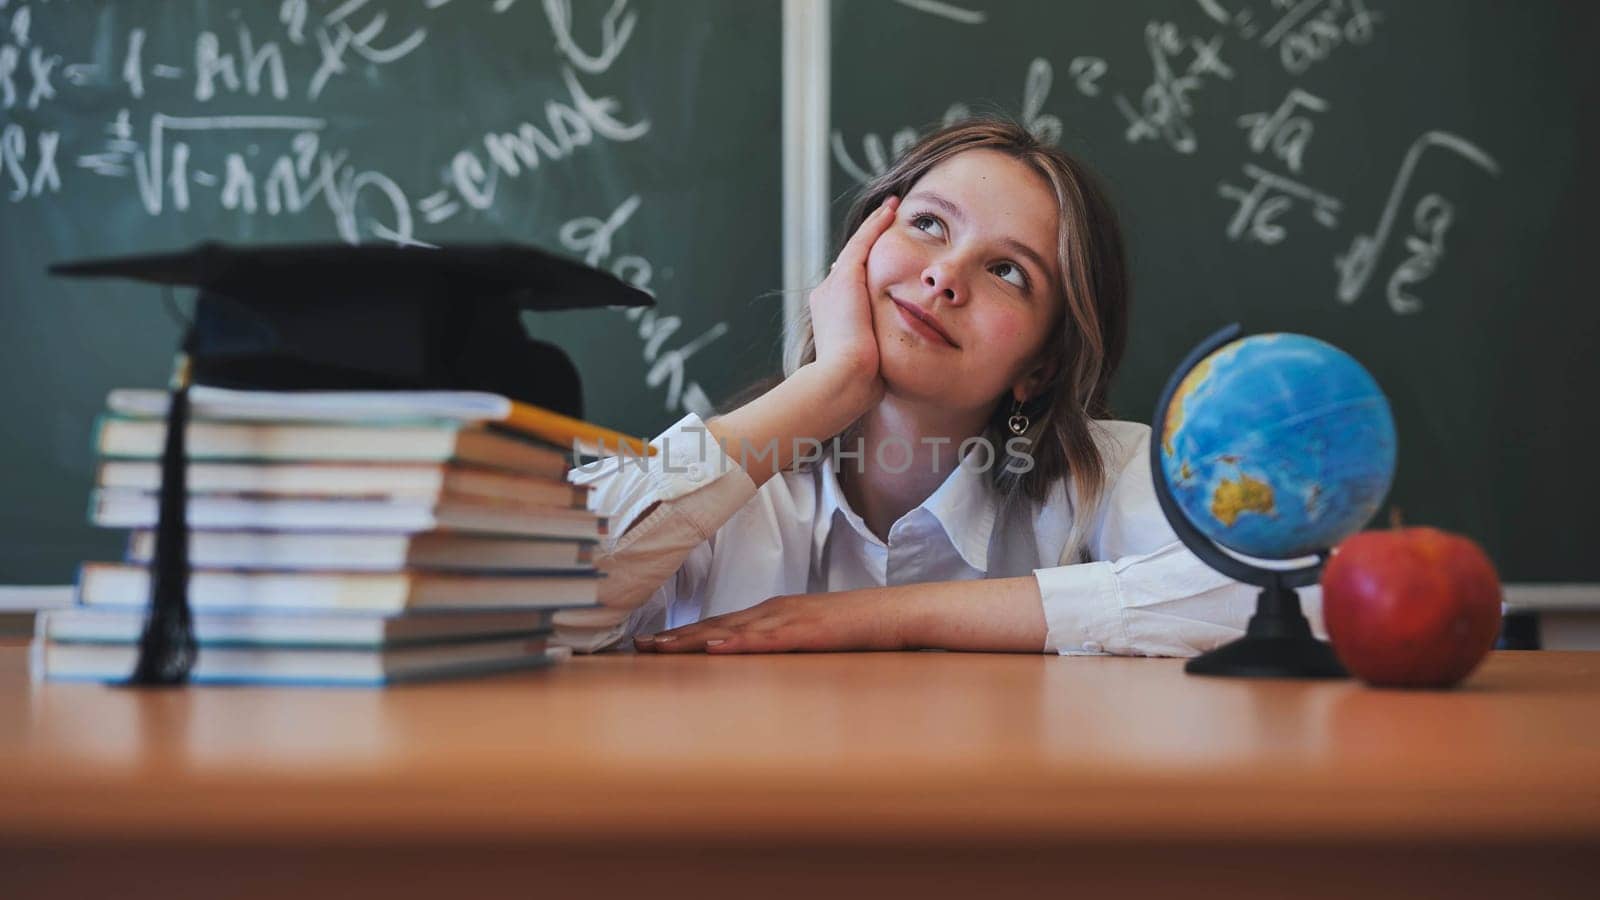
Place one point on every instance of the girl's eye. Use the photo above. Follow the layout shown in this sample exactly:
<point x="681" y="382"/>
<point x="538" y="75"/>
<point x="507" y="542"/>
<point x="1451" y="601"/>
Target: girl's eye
<point x="1012" y="273"/>
<point x="925" y="222"/>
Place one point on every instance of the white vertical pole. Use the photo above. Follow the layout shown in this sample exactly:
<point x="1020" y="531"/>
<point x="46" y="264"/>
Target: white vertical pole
<point x="805" y="149"/>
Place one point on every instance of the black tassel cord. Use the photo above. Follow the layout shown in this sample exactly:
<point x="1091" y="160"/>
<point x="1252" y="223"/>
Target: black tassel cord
<point x="167" y="649"/>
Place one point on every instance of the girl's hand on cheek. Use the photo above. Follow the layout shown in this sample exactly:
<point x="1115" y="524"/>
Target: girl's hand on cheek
<point x="846" y="620"/>
<point x="841" y="311"/>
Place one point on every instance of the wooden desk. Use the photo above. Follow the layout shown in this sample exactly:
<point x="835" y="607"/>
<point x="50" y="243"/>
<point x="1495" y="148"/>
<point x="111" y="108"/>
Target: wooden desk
<point x="939" y="773"/>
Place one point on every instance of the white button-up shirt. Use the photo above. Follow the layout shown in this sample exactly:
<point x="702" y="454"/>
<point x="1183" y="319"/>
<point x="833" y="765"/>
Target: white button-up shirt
<point x="716" y="544"/>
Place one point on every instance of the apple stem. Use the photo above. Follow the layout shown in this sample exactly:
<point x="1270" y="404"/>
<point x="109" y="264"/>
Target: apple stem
<point x="1397" y="520"/>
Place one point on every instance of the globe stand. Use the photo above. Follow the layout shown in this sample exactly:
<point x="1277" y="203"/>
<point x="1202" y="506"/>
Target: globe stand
<point x="1277" y="642"/>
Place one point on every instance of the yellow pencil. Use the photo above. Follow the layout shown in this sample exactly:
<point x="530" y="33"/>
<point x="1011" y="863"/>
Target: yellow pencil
<point x="563" y="430"/>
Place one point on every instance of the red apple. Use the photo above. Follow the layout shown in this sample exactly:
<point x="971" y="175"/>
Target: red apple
<point x="1410" y="607"/>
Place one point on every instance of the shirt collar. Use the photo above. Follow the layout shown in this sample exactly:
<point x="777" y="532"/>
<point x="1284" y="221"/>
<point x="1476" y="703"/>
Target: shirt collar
<point x="965" y="506"/>
<point x="831" y="505"/>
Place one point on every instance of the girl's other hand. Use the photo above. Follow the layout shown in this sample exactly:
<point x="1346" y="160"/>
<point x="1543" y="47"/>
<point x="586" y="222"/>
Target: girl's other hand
<point x="845" y="620"/>
<point x="841" y="312"/>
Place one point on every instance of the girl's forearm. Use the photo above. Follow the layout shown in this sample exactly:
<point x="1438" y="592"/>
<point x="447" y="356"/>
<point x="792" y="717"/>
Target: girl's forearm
<point x="812" y="404"/>
<point x="1003" y="614"/>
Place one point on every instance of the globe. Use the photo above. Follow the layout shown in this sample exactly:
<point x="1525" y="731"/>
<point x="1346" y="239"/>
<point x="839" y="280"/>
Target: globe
<point x="1277" y="446"/>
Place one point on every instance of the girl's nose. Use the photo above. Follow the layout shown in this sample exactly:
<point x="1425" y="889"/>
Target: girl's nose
<point x="939" y="278"/>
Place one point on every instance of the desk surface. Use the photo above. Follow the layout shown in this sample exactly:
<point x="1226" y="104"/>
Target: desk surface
<point x="859" y="747"/>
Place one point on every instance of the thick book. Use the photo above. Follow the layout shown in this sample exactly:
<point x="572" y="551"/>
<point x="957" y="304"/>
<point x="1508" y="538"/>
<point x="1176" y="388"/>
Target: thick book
<point x="303" y="666"/>
<point x="211" y="590"/>
<point x="398" y="481"/>
<point x="384" y="406"/>
<point x="84" y="625"/>
<point x="333" y="551"/>
<point x="439" y="442"/>
<point x="139" y="509"/>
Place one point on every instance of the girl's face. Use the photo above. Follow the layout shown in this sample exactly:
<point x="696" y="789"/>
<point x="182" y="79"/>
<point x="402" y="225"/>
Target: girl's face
<point x="973" y="248"/>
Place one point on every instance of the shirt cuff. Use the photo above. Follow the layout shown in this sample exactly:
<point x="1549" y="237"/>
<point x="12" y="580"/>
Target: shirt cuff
<point x="592" y="630"/>
<point x="687" y="461"/>
<point x="705" y="485"/>
<point x="1082" y="609"/>
<point x="689" y="458"/>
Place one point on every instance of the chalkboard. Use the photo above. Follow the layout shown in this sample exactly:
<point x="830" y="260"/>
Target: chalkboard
<point x="1399" y="178"/>
<point x="640" y="136"/>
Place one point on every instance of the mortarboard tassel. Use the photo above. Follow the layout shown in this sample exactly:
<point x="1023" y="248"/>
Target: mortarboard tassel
<point x="167" y="648"/>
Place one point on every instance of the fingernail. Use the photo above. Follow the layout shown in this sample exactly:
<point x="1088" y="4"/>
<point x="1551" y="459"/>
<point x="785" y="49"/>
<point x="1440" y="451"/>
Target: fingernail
<point x="663" y="639"/>
<point x="715" y="643"/>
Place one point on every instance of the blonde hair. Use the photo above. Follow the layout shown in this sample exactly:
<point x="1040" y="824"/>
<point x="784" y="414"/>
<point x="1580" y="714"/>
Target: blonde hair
<point x="1093" y="331"/>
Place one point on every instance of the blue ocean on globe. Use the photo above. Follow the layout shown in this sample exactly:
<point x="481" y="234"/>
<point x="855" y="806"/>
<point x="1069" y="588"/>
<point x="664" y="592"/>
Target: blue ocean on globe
<point x="1278" y="445"/>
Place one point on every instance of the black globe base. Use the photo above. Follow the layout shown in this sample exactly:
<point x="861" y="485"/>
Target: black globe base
<point x="1277" y="644"/>
<point x="1269" y="658"/>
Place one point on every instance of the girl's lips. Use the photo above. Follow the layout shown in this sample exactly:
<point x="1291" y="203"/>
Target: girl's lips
<point x="916" y="324"/>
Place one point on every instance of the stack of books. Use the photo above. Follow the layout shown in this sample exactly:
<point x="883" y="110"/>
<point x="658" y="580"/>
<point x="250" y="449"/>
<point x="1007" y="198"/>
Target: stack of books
<point x="341" y="538"/>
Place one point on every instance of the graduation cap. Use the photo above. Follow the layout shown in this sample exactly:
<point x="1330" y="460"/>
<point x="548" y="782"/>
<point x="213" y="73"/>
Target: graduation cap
<point x="336" y="317"/>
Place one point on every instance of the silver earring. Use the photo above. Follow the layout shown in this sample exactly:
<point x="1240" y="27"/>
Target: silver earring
<point x="1018" y="423"/>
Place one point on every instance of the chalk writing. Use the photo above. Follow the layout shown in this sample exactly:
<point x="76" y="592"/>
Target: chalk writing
<point x="114" y="161"/>
<point x="1086" y="72"/>
<point x="1166" y="105"/>
<point x="21" y="21"/>
<point x="165" y="174"/>
<point x="568" y="125"/>
<point x="1035" y="90"/>
<point x="947" y="11"/>
<point x="363" y="38"/>
<point x="38" y="79"/>
<point x="218" y="118"/>
<point x="1304" y="32"/>
<point x="1310" y="30"/>
<point x="1432" y="217"/>
<point x="876" y="157"/>
<point x="1269" y="197"/>
<point x="592" y="237"/>
<point x="1287" y="133"/>
<point x="133" y="63"/>
<point x="339" y="32"/>
<point x="161" y="170"/>
<point x="616" y="27"/>
<point x="213" y="65"/>
<point x="45" y="176"/>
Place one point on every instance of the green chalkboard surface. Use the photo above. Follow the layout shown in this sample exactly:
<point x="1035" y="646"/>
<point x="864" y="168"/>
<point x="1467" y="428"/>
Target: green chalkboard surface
<point x="1408" y="180"/>
<point x="641" y="136"/>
